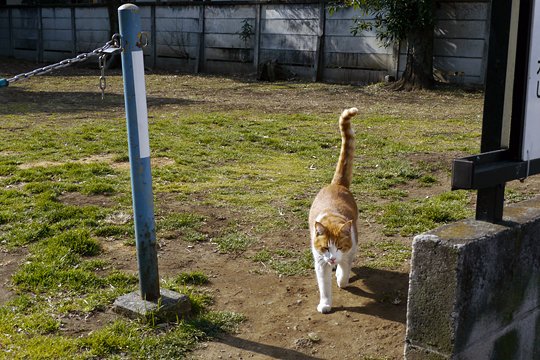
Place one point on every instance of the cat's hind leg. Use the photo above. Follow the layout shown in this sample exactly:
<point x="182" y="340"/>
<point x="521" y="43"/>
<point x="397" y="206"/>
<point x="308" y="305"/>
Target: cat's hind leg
<point x="343" y="273"/>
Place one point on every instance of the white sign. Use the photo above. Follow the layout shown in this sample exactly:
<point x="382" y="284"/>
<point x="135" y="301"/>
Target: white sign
<point x="531" y="130"/>
<point x="140" y="101"/>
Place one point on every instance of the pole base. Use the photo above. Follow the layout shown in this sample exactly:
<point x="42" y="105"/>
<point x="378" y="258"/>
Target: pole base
<point x="170" y="307"/>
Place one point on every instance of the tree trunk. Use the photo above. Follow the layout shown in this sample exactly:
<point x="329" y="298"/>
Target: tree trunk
<point x="418" y="72"/>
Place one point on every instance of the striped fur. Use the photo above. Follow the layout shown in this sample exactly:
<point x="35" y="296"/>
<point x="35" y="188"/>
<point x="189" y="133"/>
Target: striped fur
<point x="344" y="167"/>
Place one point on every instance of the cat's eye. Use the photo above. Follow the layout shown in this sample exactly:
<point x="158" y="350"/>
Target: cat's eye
<point x="324" y="249"/>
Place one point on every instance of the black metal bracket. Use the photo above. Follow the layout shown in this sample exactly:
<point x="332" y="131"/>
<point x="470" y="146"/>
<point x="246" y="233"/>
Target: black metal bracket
<point x="488" y="169"/>
<point x="488" y="173"/>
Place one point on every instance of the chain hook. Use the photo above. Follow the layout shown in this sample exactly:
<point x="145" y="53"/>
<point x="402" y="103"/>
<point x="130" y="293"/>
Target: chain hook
<point x="115" y="39"/>
<point x="143" y="40"/>
<point x="111" y="47"/>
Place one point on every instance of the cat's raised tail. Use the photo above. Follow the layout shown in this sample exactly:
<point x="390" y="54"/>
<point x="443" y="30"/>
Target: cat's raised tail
<point x="344" y="167"/>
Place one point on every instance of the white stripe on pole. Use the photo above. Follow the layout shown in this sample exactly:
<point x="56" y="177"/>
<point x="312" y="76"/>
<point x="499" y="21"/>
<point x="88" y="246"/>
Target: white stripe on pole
<point x="140" y="101"/>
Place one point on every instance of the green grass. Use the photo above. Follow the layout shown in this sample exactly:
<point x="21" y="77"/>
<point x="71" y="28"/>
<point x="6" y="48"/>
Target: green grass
<point x="233" y="243"/>
<point x="388" y="254"/>
<point x="247" y="172"/>
<point x="418" y="216"/>
<point x="192" y="278"/>
<point x="28" y="323"/>
<point x="186" y="226"/>
<point x="35" y="338"/>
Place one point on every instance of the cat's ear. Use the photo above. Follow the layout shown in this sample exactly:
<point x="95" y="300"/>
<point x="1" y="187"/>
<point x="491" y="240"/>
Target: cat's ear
<point x="320" y="229"/>
<point x="346" y="228"/>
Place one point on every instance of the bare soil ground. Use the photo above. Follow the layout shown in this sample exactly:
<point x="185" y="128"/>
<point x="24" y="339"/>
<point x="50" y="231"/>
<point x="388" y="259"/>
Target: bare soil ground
<point x="367" y="322"/>
<point x="368" y="319"/>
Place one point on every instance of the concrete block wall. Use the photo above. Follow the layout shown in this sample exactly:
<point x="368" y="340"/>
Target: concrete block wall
<point x="460" y="43"/>
<point x="305" y="37"/>
<point x="474" y="289"/>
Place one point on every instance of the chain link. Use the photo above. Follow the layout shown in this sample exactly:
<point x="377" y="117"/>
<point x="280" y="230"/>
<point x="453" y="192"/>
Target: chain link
<point x="113" y="46"/>
<point x="102" y="81"/>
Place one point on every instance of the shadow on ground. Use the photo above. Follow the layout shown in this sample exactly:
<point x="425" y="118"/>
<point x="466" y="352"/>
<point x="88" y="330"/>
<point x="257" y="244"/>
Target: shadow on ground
<point x="17" y="100"/>
<point x="388" y="305"/>
<point x="263" y="349"/>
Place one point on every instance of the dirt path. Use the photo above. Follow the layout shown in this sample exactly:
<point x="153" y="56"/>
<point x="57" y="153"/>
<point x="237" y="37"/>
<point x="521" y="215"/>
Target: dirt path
<point x="283" y="322"/>
<point x="9" y="262"/>
<point x="368" y="320"/>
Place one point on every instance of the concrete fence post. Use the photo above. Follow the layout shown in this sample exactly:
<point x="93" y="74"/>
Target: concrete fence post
<point x="474" y="289"/>
<point x="72" y="13"/>
<point x="39" y="45"/>
<point x="153" y="32"/>
<point x="318" y="61"/>
<point x="199" y="56"/>
<point x="10" y="20"/>
<point x="257" y="40"/>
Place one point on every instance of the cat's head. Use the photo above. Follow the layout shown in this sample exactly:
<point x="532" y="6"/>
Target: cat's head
<point x="333" y="240"/>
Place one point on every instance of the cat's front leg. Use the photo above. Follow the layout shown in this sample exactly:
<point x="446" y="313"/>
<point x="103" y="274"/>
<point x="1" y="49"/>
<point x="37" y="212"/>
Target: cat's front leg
<point x="324" y="280"/>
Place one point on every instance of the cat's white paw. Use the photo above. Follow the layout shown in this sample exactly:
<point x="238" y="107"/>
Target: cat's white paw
<point x="324" y="308"/>
<point x="342" y="283"/>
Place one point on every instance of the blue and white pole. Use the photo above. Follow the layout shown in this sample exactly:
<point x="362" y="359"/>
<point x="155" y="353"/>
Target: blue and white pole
<point x="139" y="150"/>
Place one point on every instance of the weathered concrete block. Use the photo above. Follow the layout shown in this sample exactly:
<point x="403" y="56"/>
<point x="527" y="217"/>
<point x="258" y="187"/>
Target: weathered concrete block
<point x="416" y="353"/>
<point x="170" y="307"/>
<point x="474" y="289"/>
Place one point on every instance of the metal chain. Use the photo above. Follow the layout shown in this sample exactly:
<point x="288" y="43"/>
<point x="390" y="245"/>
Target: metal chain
<point x="111" y="47"/>
<point x="102" y="61"/>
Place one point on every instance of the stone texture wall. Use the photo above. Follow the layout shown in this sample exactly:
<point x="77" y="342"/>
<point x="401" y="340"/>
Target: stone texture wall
<point x="474" y="290"/>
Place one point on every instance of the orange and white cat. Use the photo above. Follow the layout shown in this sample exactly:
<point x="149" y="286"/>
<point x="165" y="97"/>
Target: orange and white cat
<point x="332" y="220"/>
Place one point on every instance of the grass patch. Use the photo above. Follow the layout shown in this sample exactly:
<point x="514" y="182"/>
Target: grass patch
<point x="98" y="187"/>
<point x="115" y="231"/>
<point x="263" y="256"/>
<point x="179" y="221"/>
<point x="193" y="236"/>
<point x="119" y="337"/>
<point x="64" y="191"/>
<point x="192" y="278"/>
<point x="122" y="338"/>
<point x="58" y="263"/>
<point x="234" y="243"/>
<point x="427" y="180"/>
<point x="18" y="236"/>
<point x="77" y="241"/>
<point x="182" y="225"/>
<point x="385" y="255"/>
<point x="411" y="218"/>
<point x="26" y="326"/>
<point x="512" y="196"/>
